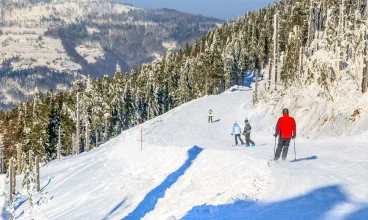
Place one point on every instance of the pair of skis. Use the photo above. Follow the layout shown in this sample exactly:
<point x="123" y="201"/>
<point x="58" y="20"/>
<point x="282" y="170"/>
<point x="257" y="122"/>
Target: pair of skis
<point x="242" y="145"/>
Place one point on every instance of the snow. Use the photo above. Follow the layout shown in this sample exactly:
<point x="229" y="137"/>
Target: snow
<point x="3" y="214"/>
<point x="68" y="10"/>
<point x="170" y="45"/>
<point x="91" y="51"/>
<point x="157" y="56"/>
<point x="188" y="169"/>
<point x="34" y="49"/>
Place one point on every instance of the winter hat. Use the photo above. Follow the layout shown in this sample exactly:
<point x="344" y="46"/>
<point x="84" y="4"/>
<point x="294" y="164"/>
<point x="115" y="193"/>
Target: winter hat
<point x="285" y="111"/>
<point x="246" y="121"/>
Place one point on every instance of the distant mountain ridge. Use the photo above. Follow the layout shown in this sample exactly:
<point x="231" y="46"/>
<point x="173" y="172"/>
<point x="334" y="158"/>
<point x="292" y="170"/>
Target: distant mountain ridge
<point x="85" y="37"/>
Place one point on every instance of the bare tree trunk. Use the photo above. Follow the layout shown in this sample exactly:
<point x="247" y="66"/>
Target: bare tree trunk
<point x="276" y="46"/>
<point x="87" y="138"/>
<point x="30" y="159"/>
<point x="77" y="138"/>
<point x="19" y="159"/>
<point x="74" y="144"/>
<point x="1" y="155"/>
<point x="364" y="81"/>
<point x="149" y="112"/>
<point x="255" y="95"/>
<point x="347" y="52"/>
<point x="97" y="137"/>
<point x="270" y="75"/>
<point x="37" y="164"/>
<point x="11" y="180"/>
<point x="59" y="145"/>
<point x="301" y="62"/>
<point x="310" y="23"/>
<point x="106" y="130"/>
<point x="14" y="177"/>
<point x="24" y="160"/>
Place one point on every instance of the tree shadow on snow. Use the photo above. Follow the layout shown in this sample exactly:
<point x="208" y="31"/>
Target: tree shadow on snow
<point x="361" y="214"/>
<point x="48" y="182"/>
<point x="114" y="209"/>
<point x="303" y="159"/>
<point x="150" y="200"/>
<point x="313" y="205"/>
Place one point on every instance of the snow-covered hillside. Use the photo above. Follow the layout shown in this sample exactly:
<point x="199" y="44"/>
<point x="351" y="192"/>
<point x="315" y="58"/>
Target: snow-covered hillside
<point x="77" y="38"/>
<point x="30" y="48"/>
<point x="188" y="169"/>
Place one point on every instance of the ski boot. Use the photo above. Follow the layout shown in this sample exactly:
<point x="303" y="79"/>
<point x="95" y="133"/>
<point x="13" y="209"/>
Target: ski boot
<point x="247" y="145"/>
<point x="253" y="145"/>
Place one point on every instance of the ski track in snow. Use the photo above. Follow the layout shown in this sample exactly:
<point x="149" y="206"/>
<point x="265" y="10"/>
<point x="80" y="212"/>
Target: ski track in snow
<point x="189" y="170"/>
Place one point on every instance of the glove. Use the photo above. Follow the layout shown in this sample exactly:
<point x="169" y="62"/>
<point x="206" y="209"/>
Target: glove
<point x="275" y="135"/>
<point x="294" y="136"/>
<point x="232" y="134"/>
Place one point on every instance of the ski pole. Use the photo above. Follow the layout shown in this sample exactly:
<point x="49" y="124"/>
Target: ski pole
<point x="294" y="150"/>
<point x="274" y="149"/>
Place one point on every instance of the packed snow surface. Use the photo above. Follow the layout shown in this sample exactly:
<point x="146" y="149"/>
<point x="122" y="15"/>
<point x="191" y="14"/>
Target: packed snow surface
<point x="188" y="169"/>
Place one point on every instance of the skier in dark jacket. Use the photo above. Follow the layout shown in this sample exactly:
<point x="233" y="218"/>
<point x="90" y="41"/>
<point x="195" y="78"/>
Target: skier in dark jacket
<point x="246" y="133"/>
<point x="286" y="129"/>
<point x="210" y="116"/>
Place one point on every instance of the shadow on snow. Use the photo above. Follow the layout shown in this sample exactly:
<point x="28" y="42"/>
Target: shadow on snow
<point x="314" y="205"/>
<point x="150" y="200"/>
<point x="114" y="209"/>
<point x="25" y="200"/>
<point x="48" y="182"/>
<point x="304" y="159"/>
<point x="361" y="214"/>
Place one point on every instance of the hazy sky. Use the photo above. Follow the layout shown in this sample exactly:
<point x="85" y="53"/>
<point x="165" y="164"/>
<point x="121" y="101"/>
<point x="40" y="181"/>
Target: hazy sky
<point x="224" y="9"/>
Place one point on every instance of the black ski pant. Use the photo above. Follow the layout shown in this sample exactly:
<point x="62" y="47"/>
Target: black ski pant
<point x="209" y="119"/>
<point x="283" y="147"/>
<point x="236" y="139"/>
<point x="247" y="139"/>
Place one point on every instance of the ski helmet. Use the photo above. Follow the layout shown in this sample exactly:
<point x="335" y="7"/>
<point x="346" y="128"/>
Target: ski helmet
<point x="246" y="121"/>
<point x="285" y="111"/>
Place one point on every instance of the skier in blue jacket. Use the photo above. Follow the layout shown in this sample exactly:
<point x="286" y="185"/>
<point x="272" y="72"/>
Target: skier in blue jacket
<point x="237" y="132"/>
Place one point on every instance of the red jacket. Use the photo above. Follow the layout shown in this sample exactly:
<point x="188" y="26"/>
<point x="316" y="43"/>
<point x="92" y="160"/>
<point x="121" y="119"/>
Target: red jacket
<point x="286" y="127"/>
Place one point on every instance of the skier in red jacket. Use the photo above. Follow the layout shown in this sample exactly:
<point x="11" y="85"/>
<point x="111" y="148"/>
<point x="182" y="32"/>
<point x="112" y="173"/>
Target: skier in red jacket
<point x="286" y="129"/>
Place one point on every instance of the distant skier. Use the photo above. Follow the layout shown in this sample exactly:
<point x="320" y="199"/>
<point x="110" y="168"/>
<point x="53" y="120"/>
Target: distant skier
<point x="246" y="133"/>
<point x="210" y="115"/>
<point x="286" y="127"/>
<point x="237" y="132"/>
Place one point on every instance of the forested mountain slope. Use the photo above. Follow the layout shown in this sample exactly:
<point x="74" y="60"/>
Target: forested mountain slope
<point x="77" y="38"/>
<point x="311" y="56"/>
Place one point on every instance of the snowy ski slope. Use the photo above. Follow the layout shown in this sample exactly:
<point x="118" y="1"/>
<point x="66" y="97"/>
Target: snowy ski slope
<point x="189" y="170"/>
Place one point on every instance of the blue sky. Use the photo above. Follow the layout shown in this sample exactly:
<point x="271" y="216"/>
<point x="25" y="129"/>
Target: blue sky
<point x="224" y="9"/>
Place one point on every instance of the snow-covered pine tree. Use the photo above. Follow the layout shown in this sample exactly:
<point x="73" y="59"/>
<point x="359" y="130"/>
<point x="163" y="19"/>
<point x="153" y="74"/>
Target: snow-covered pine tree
<point x="106" y="106"/>
<point x="37" y="137"/>
<point x="76" y="149"/>
<point x="129" y="107"/>
<point x="1" y="154"/>
<point x="184" y="87"/>
<point x="52" y="129"/>
<point x="310" y="22"/>
<point x="86" y="104"/>
<point x="117" y="101"/>
<point x="97" y="111"/>
<point x="276" y="47"/>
